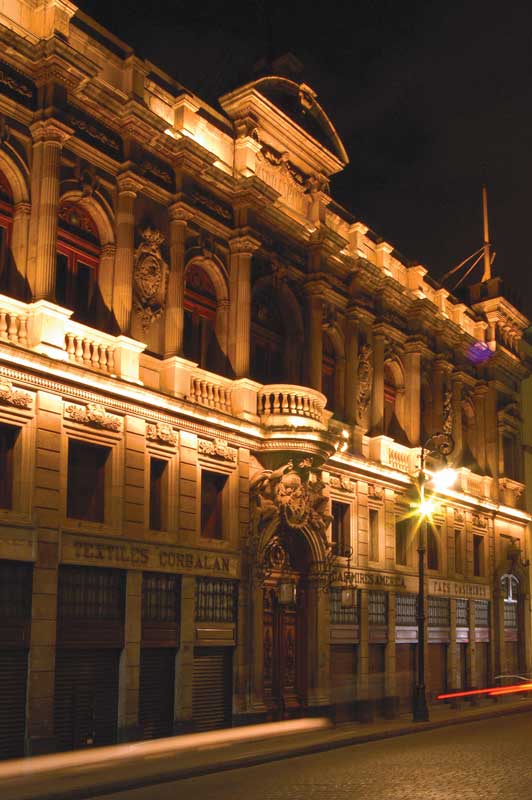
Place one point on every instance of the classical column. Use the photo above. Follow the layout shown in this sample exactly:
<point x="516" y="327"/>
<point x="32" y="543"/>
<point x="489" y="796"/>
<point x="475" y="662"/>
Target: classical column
<point x="491" y="437"/>
<point x="314" y="344"/>
<point x="129" y="675"/>
<point x="175" y="297"/>
<point x="48" y="139"/>
<point x="242" y="249"/>
<point x="106" y="273"/>
<point x="128" y="188"/>
<point x="412" y="417"/>
<point x="20" y="238"/>
<point x="351" y="373"/>
<point x="377" y="396"/>
<point x="479" y="398"/>
<point x="458" y="434"/>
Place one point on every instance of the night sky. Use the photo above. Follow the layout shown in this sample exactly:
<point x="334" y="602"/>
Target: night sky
<point x="429" y="101"/>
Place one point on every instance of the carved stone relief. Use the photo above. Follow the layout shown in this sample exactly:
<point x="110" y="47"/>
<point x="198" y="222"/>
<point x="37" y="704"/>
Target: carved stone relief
<point x="217" y="448"/>
<point x="343" y="482"/>
<point x="93" y="414"/>
<point x="365" y="376"/>
<point x="150" y="278"/>
<point x="161" y="432"/>
<point x="13" y="397"/>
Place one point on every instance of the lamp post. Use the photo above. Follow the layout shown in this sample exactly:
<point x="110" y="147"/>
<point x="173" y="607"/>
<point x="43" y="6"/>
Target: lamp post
<point x="439" y="445"/>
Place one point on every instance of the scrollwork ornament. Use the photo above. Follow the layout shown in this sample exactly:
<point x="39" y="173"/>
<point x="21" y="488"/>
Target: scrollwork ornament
<point x="12" y="396"/>
<point x="150" y="278"/>
<point x="162" y="432"/>
<point x="93" y="414"/>
<point x="365" y="377"/>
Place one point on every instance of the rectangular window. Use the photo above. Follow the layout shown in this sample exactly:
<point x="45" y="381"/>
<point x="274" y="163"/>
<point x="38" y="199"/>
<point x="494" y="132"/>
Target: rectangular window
<point x="212" y="487"/>
<point x="402" y="529"/>
<point x="377" y="607"/>
<point x="90" y="593"/>
<point x="439" y="612"/>
<point x="216" y="600"/>
<point x="340" y="532"/>
<point x="373" y="546"/>
<point x="339" y="614"/>
<point x="510" y="614"/>
<point x="160" y="597"/>
<point x="462" y="613"/>
<point x="405" y="608"/>
<point x="86" y="480"/>
<point x="478" y="555"/>
<point x="8" y="437"/>
<point x="433" y="555"/>
<point x="458" y="553"/>
<point x="511" y="469"/>
<point x="482" y="613"/>
<point x="158" y="493"/>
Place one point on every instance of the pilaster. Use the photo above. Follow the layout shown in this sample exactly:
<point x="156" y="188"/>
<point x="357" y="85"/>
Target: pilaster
<point x="129" y="676"/>
<point x="377" y="396"/>
<point x="242" y="248"/>
<point x="175" y="299"/>
<point x="128" y="188"/>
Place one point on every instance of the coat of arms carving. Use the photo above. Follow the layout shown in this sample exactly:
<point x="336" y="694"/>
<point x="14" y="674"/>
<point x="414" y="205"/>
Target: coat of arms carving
<point x="150" y="278"/>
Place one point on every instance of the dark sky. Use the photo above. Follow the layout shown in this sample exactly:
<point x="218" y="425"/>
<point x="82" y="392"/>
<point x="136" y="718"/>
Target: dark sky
<point x="430" y="100"/>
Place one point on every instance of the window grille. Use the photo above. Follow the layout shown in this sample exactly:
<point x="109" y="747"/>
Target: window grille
<point x="339" y="615"/>
<point x="216" y="601"/>
<point x="377" y="608"/>
<point x="462" y="613"/>
<point x="439" y="612"/>
<point x="405" y="609"/>
<point x="482" y="613"/>
<point x="160" y="597"/>
<point x="510" y="615"/>
<point x="15" y="590"/>
<point x="90" y="593"/>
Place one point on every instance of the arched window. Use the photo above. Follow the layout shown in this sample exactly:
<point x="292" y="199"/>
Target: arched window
<point x="328" y="372"/>
<point x="468" y="437"/>
<point x="199" y="339"/>
<point x="78" y="255"/>
<point x="394" y="402"/>
<point x="268" y="337"/>
<point x="6" y="225"/>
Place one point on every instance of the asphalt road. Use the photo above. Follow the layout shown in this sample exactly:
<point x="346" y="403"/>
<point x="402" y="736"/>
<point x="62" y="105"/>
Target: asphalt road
<point x="488" y="760"/>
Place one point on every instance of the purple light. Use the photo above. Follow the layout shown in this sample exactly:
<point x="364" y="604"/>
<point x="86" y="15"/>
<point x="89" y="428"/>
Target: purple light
<point x="478" y="353"/>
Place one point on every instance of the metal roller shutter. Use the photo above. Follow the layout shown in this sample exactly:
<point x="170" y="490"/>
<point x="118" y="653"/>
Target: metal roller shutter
<point x="156" y="691"/>
<point x="211" y="688"/>
<point x="343" y="669"/>
<point x="13" y="677"/>
<point x="86" y="697"/>
<point x="405" y="673"/>
<point x="482" y="660"/>
<point x="437" y="668"/>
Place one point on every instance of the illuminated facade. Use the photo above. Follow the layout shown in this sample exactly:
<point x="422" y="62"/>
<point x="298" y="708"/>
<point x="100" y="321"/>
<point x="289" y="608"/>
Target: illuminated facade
<point x="211" y="377"/>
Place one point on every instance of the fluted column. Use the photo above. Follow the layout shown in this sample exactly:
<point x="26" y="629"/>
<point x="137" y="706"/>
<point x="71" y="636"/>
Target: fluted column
<point x="314" y="353"/>
<point x="339" y="387"/>
<point x="128" y="188"/>
<point x="412" y="420"/>
<point x="351" y="370"/>
<point x="479" y="397"/>
<point x="106" y="273"/>
<point x="175" y="298"/>
<point x="20" y="238"/>
<point x="491" y="437"/>
<point x="377" y="397"/>
<point x="242" y="249"/>
<point x="48" y="139"/>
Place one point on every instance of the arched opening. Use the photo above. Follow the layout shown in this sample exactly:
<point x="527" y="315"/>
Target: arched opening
<point x="6" y="227"/>
<point x="426" y="411"/>
<point x="276" y="333"/>
<point x="199" y="335"/>
<point x="469" y="437"/>
<point x="328" y="372"/>
<point x="393" y="403"/>
<point x="77" y="261"/>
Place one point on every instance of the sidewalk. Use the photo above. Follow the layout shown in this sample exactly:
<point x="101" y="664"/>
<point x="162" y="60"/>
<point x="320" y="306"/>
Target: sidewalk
<point x="99" y="771"/>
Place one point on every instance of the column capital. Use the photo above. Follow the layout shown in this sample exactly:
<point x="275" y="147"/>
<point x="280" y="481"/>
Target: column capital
<point x="108" y="250"/>
<point x="179" y="212"/>
<point x="244" y="244"/>
<point x="128" y="183"/>
<point x="480" y="389"/>
<point x="314" y="287"/>
<point x="22" y="209"/>
<point x="50" y="130"/>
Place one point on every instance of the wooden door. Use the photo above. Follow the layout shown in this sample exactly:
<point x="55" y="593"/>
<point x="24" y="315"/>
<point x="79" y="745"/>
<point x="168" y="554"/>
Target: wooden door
<point x="376" y="671"/>
<point x="437" y="669"/>
<point x="283" y="656"/>
<point x="405" y="673"/>
<point x="343" y="667"/>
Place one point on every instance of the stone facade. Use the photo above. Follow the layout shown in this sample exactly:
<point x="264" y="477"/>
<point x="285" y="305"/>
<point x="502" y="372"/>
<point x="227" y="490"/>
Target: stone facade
<point x="247" y="373"/>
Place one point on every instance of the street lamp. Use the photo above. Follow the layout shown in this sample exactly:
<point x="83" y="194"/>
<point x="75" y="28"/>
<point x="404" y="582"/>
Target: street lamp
<point x="439" y="445"/>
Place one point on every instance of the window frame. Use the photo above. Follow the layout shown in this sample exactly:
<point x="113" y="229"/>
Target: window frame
<point x="77" y="250"/>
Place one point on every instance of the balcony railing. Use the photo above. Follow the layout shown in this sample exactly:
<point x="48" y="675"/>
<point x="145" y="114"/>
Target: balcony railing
<point x="393" y="455"/>
<point x="210" y="390"/>
<point x="281" y="405"/>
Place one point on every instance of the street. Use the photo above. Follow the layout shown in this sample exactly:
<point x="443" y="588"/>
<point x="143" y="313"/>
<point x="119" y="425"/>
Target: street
<point x="490" y="759"/>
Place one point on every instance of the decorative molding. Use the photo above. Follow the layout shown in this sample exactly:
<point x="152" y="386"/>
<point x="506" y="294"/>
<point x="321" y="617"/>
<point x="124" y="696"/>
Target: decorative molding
<point x="364" y="380"/>
<point x="162" y="432"/>
<point x="217" y="448"/>
<point x="343" y="482"/>
<point x="13" y="397"/>
<point x="375" y="492"/>
<point x="150" y="278"/>
<point x="480" y="521"/>
<point x="93" y="414"/>
<point x="208" y="202"/>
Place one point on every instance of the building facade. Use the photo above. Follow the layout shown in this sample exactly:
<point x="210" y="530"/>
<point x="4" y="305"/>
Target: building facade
<point x="214" y="386"/>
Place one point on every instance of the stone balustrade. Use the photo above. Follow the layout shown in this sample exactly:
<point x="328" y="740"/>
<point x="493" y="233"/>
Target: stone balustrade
<point x="393" y="455"/>
<point x="471" y="483"/>
<point x="46" y="328"/>
<point x="210" y="390"/>
<point x="281" y="405"/>
<point x="511" y="492"/>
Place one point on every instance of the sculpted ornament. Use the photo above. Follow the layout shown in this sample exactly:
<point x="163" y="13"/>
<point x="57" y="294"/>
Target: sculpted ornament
<point x="162" y="432"/>
<point x="218" y="448"/>
<point x="93" y="414"/>
<point x="365" y="377"/>
<point x="150" y="278"/>
<point x="447" y="425"/>
<point x="12" y="396"/>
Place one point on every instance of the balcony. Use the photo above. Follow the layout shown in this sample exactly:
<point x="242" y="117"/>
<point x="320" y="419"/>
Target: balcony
<point x="285" y="406"/>
<point x="393" y="455"/>
<point x="46" y="328"/>
<point x="511" y="492"/>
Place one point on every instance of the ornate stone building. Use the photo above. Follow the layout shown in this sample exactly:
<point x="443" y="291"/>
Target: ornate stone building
<point x="214" y="385"/>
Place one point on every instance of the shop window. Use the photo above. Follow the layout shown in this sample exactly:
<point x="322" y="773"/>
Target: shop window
<point x="216" y="600"/>
<point x="160" y="597"/>
<point x="77" y="260"/>
<point x="15" y="590"/>
<point x="402" y="531"/>
<point x="377" y="607"/>
<point x="510" y="614"/>
<point x="482" y="613"/>
<point x="433" y="555"/>
<point x="458" y="552"/>
<point x="8" y="438"/>
<point x="373" y="546"/>
<point x="439" y="612"/>
<point x="478" y="555"/>
<point x="340" y="527"/>
<point x="212" y="489"/>
<point x="90" y="593"/>
<point x="340" y="615"/>
<point x="405" y="608"/>
<point x="462" y="612"/>
<point x="86" y="480"/>
<point x="158" y="493"/>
